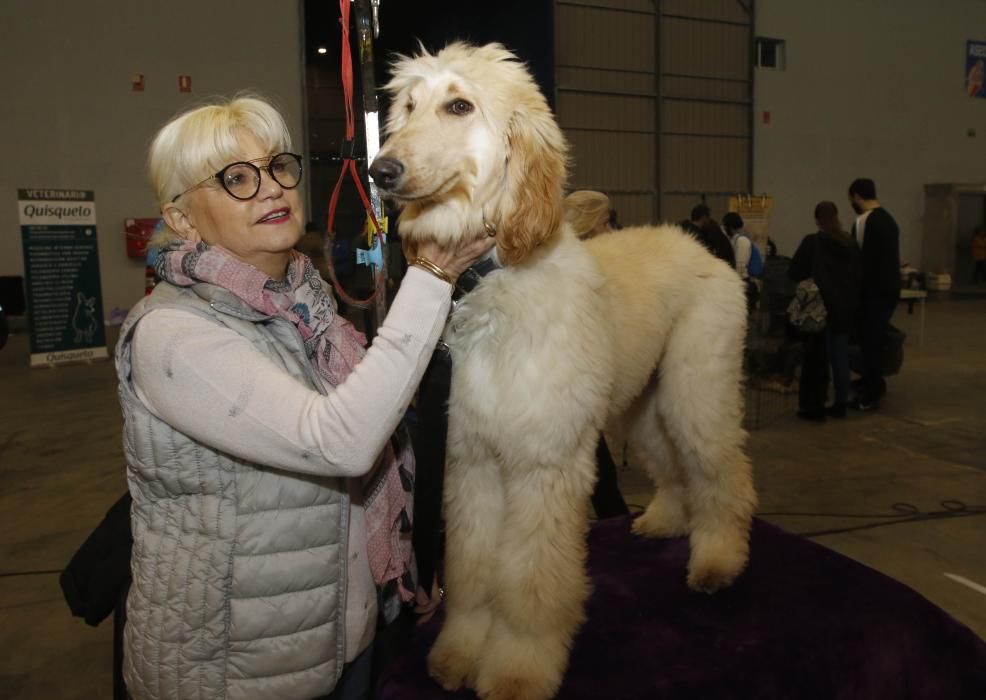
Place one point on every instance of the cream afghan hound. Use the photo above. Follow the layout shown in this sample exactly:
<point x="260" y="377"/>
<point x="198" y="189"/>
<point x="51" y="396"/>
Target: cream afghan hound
<point x="642" y="328"/>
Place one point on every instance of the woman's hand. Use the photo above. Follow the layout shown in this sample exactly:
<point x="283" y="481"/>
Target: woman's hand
<point x="425" y="606"/>
<point x="453" y="260"/>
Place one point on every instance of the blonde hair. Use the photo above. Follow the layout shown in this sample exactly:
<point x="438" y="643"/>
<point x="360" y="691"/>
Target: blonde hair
<point x="585" y="210"/>
<point x="203" y="140"/>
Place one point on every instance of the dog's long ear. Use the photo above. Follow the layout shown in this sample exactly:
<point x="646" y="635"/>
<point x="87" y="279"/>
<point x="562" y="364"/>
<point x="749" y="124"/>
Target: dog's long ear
<point x="536" y="166"/>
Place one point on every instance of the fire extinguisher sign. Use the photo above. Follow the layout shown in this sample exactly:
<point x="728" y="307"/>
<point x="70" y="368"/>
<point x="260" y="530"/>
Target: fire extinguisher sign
<point x="61" y="271"/>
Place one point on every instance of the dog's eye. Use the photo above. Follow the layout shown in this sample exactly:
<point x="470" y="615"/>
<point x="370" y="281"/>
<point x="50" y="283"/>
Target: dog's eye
<point x="409" y="107"/>
<point x="459" y="107"/>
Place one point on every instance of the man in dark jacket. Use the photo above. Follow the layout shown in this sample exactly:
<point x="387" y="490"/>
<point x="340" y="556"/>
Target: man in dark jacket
<point x="703" y="227"/>
<point x="879" y="238"/>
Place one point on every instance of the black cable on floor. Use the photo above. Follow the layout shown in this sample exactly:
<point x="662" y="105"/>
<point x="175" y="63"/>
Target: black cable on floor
<point x="41" y="572"/>
<point x="911" y="514"/>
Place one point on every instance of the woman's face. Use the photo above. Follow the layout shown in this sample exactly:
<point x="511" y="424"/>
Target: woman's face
<point x="260" y="231"/>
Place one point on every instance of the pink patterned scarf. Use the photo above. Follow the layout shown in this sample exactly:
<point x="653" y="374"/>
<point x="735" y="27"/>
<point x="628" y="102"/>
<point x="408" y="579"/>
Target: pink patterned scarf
<point x="334" y="347"/>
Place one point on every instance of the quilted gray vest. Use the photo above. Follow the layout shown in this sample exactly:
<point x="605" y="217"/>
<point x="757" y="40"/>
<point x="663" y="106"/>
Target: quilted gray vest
<point x="239" y="571"/>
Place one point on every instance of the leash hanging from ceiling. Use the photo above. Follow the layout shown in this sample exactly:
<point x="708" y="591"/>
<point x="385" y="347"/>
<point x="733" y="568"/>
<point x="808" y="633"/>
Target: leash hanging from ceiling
<point x="376" y="237"/>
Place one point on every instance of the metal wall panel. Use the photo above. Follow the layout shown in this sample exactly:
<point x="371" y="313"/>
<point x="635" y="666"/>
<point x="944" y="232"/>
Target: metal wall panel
<point x="695" y="47"/>
<point x="603" y="81"/>
<point x="594" y="37"/>
<point x="655" y="97"/>
<point x="584" y="110"/>
<point x="673" y="86"/>
<point x="606" y="100"/>
<point x="706" y="92"/>
<point x="595" y="154"/>
<point x="710" y="119"/>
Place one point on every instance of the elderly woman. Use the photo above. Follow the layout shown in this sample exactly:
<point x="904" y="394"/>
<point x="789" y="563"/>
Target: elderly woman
<point x="269" y="478"/>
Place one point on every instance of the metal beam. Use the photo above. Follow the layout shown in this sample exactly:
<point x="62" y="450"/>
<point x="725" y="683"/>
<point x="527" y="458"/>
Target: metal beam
<point x="608" y="131"/>
<point x="709" y="136"/>
<point x="595" y="6"/>
<point x="708" y="20"/>
<point x="705" y="77"/>
<point x="607" y="70"/>
<point x="584" y="91"/>
<point x="709" y="100"/>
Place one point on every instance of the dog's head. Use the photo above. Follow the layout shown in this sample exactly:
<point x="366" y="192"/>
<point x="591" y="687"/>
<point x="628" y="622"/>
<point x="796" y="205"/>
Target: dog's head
<point x="472" y="141"/>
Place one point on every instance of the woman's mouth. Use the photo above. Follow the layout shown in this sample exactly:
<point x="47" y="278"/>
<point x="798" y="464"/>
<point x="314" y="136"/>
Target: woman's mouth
<point x="278" y="216"/>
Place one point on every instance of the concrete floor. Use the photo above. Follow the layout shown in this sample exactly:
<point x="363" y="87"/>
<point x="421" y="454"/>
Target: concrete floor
<point x="61" y="467"/>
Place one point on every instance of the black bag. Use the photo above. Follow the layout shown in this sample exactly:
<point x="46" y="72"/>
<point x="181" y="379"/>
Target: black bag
<point x="807" y="312"/>
<point x="100" y="569"/>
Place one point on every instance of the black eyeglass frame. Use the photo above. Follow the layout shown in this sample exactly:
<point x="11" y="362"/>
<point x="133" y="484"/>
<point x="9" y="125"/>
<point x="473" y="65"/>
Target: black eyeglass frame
<point x="221" y="175"/>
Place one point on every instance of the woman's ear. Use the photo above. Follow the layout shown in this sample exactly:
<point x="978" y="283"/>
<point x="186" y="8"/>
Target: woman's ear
<point x="178" y="221"/>
<point x="536" y="163"/>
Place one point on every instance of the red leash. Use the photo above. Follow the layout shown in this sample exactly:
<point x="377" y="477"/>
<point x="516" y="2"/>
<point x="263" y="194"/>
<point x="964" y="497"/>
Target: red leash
<point x="349" y="166"/>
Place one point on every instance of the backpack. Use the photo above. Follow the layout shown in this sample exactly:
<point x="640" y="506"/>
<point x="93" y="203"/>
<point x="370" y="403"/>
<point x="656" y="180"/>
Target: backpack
<point x="754" y="268"/>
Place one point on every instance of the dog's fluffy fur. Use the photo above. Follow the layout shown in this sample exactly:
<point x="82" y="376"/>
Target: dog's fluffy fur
<point x="642" y="329"/>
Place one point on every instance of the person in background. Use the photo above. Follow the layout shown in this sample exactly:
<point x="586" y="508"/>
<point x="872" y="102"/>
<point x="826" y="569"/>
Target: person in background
<point x="978" y="251"/>
<point x="265" y="456"/>
<point x="743" y="250"/>
<point x="702" y="226"/>
<point x="876" y="232"/>
<point x="589" y="213"/>
<point x="312" y="246"/>
<point x="832" y="258"/>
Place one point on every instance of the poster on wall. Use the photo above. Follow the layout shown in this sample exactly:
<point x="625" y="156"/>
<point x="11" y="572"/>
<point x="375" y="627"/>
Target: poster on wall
<point x="755" y="211"/>
<point x="975" y="68"/>
<point x="61" y="272"/>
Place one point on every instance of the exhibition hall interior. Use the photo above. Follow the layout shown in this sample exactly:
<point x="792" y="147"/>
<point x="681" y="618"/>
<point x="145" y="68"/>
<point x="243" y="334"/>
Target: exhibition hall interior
<point x="624" y="349"/>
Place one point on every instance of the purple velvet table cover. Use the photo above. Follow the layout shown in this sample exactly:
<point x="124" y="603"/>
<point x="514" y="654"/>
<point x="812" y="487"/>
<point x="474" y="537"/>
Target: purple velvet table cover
<point x="801" y="622"/>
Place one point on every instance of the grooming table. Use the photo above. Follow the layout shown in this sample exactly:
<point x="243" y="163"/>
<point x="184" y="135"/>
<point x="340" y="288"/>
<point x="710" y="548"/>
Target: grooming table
<point x="801" y="622"/>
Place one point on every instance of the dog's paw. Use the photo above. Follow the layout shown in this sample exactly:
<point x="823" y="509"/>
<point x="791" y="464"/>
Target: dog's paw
<point x="717" y="558"/>
<point x="658" y="521"/>
<point x="711" y="579"/>
<point x="449" y="668"/>
<point x="715" y="565"/>
<point x="516" y="688"/>
<point x="518" y="666"/>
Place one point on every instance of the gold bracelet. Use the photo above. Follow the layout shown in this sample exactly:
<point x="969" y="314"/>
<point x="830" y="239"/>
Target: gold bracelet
<point x="433" y="269"/>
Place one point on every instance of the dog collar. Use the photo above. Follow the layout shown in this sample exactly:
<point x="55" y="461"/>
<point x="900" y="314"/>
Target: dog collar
<point x="471" y="278"/>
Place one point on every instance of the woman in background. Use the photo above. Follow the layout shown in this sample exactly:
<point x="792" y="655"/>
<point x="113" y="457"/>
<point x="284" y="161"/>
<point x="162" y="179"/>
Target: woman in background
<point x="830" y="256"/>
<point x="589" y="213"/>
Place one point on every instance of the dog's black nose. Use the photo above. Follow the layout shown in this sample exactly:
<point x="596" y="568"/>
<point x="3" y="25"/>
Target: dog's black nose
<point x="386" y="172"/>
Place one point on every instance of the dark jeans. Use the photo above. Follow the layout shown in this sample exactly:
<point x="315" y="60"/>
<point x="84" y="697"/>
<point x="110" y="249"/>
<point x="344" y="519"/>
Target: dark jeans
<point x="368" y="669"/>
<point x="606" y="498"/>
<point x="978" y="272"/>
<point x="356" y="682"/>
<point x="752" y="295"/>
<point x="814" y="373"/>
<point x="838" y="351"/>
<point x="876" y="315"/>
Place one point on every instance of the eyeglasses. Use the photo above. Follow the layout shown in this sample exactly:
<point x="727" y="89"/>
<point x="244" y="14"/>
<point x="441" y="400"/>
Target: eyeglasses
<point x="241" y="180"/>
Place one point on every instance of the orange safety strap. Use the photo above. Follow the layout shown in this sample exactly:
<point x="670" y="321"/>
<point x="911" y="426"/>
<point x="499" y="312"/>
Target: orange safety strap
<point x="349" y="166"/>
